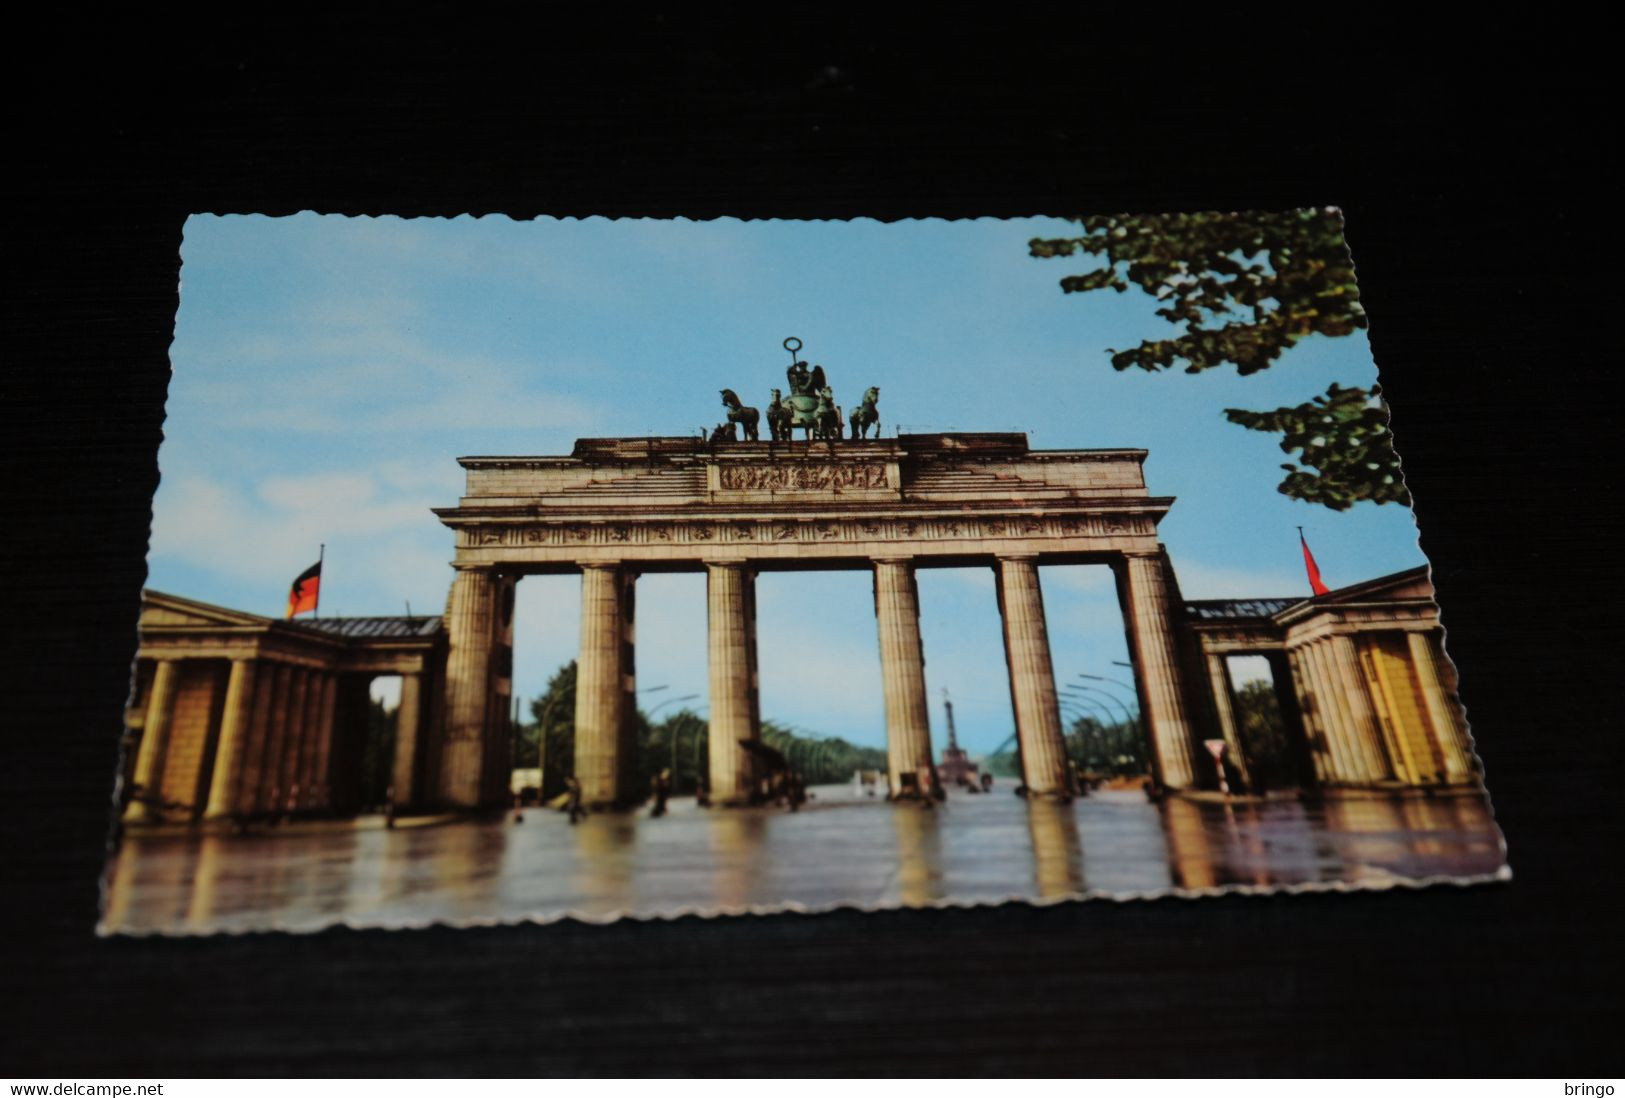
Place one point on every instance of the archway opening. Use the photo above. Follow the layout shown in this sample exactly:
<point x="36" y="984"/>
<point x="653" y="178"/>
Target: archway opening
<point x="1095" y="677"/>
<point x="547" y="640"/>
<point x="672" y="680"/>
<point x="375" y="767"/>
<point x="965" y="674"/>
<point x="820" y="695"/>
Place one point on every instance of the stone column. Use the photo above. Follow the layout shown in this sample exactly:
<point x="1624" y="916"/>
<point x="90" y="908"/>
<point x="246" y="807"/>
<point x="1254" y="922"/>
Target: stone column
<point x="1032" y="678"/>
<point x="294" y="736"/>
<point x="902" y="671"/>
<point x="320" y="794"/>
<point x="1333" y="720"/>
<point x="253" y="750"/>
<point x="1314" y="728"/>
<point x="310" y="746"/>
<point x="149" y="760"/>
<point x="1373" y="760"/>
<point x="600" y="691"/>
<point x="1218" y="673"/>
<point x="277" y="677"/>
<point x="1447" y="729"/>
<point x="234" y="727"/>
<point x="470" y="616"/>
<point x="408" y="719"/>
<point x="728" y="586"/>
<point x="1150" y="615"/>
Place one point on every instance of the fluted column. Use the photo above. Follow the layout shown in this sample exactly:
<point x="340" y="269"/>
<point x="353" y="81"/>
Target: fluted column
<point x="902" y="672"/>
<point x="1219" y="684"/>
<point x="1150" y="617"/>
<point x="320" y="795"/>
<point x="293" y="736"/>
<point x="728" y="599"/>
<point x="253" y="749"/>
<point x="1328" y="693"/>
<point x="600" y="691"/>
<point x="1309" y="715"/>
<point x="310" y="745"/>
<point x="1373" y="760"/>
<point x="1032" y="678"/>
<point x="408" y="719"/>
<point x="149" y="760"/>
<point x="1447" y="727"/>
<point x="470" y="616"/>
<point x="229" y="751"/>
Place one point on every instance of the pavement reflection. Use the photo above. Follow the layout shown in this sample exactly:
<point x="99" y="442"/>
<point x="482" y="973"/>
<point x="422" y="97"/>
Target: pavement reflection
<point x="840" y="849"/>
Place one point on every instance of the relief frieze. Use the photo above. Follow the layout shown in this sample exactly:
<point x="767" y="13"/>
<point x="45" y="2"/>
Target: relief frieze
<point x="803" y="477"/>
<point x="855" y="529"/>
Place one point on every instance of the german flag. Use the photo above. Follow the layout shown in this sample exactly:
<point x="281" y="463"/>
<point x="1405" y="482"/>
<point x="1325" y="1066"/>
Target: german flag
<point x="1316" y="584"/>
<point x="305" y="594"/>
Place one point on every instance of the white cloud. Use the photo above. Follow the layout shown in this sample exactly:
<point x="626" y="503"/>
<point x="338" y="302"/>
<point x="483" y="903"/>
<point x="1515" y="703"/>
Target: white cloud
<point x="385" y="540"/>
<point x="1203" y="581"/>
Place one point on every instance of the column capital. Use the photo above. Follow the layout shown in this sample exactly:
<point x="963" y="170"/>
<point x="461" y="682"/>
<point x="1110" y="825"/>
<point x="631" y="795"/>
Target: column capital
<point x="713" y="562"/>
<point x="1017" y="558"/>
<point x="599" y="565"/>
<point x="893" y="560"/>
<point x="477" y="569"/>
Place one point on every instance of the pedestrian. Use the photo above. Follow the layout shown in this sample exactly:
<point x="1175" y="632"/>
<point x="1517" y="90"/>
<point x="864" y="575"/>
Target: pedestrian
<point x="660" y="786"/>
<point x="572" y="804"/>
<point x="702" y="796"/>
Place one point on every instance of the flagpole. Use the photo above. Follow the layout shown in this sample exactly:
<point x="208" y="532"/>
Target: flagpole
<point x="321" y="556"/>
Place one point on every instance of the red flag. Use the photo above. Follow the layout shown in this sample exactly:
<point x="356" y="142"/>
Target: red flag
<point x="1309" y="564"/>
<point x="306" y="590"/>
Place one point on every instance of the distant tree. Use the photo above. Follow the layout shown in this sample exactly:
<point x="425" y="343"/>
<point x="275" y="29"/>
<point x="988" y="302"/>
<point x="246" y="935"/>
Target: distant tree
<point x="821" y="760"/>
<point x="685" y="736"/>
<point x="1098" y="748"/>
<point x="378" y="755"/>
<point x="1004" y="764"/>
<point x="1246" y="288"/>
<point x="554" y="718"/>
<point x="1263" y="734"/>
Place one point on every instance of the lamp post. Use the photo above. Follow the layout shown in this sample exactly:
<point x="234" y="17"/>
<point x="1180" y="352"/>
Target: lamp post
<point x="1079" y="714"/>
<point x="1129" y="716"/>
<point x="658" y="708"/>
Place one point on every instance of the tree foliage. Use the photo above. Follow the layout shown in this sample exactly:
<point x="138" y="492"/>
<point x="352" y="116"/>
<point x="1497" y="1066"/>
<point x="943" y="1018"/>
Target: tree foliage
<point x="1263" y="736"/>
<point x="378" y="754"/>
<point x="680" y="742"/>
<point x="1246" y="288"/>
<point x="1341" y="440"/>
<point x="821" y="760"/>
<point x="1114" y="749"/>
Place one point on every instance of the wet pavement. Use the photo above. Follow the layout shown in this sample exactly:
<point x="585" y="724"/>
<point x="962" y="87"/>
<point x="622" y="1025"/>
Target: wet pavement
<point x="841" y="849"/>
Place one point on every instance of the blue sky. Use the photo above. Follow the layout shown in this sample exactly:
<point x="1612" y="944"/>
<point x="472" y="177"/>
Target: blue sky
<point x="327" y="371"/>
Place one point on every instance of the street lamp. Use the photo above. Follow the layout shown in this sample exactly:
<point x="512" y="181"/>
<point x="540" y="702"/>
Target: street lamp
<point x="1127" y="715"/>
<point x="1115" y="682"/>
<point x="650" y="715"/>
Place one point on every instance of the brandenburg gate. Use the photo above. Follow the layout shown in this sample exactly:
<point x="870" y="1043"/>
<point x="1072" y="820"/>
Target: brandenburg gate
<point x="235" y="716"/>
<point x="616" y="508"/>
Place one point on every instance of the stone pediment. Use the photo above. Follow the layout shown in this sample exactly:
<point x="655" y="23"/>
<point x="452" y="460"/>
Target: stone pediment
<point x="1410" y="584"/>
<point x="159" y="610"/>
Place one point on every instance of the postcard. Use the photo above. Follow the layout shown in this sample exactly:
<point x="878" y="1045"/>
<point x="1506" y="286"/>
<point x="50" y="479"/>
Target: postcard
<point x="512" y="571"/>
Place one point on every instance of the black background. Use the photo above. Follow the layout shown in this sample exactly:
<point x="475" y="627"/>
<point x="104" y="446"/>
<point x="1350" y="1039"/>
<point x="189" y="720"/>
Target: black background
<point x="1482" y="219"/>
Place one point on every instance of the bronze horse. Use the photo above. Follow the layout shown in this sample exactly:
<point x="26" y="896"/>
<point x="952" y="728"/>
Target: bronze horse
<point x="738" y="413"/>
<point x="866" y="414"/>
<point x="778" y="418"/>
